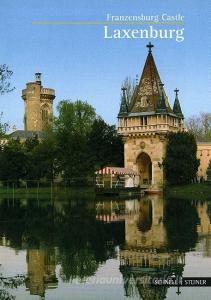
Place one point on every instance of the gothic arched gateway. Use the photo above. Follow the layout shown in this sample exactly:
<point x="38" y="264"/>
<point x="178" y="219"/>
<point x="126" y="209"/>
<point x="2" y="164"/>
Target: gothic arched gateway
<point x="144" y="166"/>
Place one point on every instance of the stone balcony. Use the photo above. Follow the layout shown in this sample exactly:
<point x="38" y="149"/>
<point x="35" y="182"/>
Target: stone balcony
<point x="46" y="91"/>
<point x="147" y="129"/>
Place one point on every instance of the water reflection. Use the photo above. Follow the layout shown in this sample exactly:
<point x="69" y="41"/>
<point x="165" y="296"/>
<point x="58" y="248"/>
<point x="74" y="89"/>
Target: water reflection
<point x="68" y="241"/>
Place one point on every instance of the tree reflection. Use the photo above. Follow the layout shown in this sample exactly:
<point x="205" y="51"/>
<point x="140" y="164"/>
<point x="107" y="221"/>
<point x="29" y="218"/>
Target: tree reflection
<point x="181" y="220"/>
<point x="9" y="283"/>
<point x="71" y="227"/>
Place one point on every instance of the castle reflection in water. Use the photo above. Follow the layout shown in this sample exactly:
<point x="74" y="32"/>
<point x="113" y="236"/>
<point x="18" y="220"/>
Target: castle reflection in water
<point x="149" y="236"/>
<point x="147" y="251"/>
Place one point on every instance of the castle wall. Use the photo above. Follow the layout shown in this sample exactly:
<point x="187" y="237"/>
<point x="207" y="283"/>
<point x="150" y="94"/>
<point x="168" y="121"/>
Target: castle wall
<point x="204" y="154"/>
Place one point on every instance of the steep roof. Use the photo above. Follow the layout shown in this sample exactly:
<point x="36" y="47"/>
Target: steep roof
<point x="24" y="134"/>
<point x="147" y="93"/>
<point x="123" y="106"/>
<point x="177" y="108"/>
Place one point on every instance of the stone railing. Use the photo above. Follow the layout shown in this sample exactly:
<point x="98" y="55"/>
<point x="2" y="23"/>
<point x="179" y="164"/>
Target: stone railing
<point x="147" y="128"/>
<point x="150" y="258"/>
<point x="47" y="91"/>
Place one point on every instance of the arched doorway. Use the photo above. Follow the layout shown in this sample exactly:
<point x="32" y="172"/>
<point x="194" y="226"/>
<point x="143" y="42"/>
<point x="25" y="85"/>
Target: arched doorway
<point x="144" y="164"/>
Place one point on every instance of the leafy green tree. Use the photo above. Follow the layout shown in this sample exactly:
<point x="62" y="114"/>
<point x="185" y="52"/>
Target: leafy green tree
<point x="40" y="157"/>
<point x="12" y="161"/>
<point x="3" y="127"/>
<point x="180" y="163"/>
<point x="106" y="147"/>
<point x="45" y="154"/>
<point x="72" y="128"/>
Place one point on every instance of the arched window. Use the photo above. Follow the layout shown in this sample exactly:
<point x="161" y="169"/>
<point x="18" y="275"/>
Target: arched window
<point x="44" y="114"/>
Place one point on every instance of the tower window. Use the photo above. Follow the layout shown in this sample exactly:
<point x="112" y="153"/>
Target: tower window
<point x="44" y="115"/>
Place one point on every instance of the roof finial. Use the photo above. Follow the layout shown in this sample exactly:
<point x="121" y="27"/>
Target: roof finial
<point x="176" y="92"/>
<point x="161" y="85"/>
<point x="124" y="89"/>
<point x="136" y="79"/>
<point x="150" y="46"/>
<point x="38" y="77"/>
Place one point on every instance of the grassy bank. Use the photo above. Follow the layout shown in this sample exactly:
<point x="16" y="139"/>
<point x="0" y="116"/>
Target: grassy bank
<point x="45" y="192"/>
<point x="197" y="191"/>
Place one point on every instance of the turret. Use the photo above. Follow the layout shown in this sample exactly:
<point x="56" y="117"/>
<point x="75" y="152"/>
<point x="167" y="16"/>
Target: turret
<point x="38" y="105"/>
<point x="177" y="108"/>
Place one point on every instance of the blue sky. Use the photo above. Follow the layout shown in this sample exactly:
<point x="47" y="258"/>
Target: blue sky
<point x="80" y="64"/>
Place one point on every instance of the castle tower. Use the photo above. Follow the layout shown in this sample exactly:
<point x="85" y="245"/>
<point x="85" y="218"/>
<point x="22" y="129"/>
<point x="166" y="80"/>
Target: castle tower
<point x="144" y="124"/>
<point x="38" y="105"/>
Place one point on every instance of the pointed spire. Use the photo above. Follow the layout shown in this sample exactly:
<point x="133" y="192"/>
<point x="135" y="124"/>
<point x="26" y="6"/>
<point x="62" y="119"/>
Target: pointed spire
<point x="123" y="106"/>
<point x="177" y="108"/>
<point x="161" y="105"/>
<point x="147" y="93"/>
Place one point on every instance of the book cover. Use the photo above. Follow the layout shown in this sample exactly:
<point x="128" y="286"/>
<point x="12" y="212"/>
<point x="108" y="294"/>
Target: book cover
<point x="105" y="154"/>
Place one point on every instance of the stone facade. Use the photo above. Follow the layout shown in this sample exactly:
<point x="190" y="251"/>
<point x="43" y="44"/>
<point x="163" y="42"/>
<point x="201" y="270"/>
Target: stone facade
<point x="144" y="122"/>
<point x="38" y="105"/>
<point x="204" y="154"/>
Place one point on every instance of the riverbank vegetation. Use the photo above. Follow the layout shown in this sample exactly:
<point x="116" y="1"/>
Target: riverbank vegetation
<point x="196" y="191"/>
<point x="78" y="143"/>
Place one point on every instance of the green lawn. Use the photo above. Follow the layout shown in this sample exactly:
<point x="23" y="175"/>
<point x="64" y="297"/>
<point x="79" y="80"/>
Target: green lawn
<point x="45" y="191"/>
<point x="197" y="191"/>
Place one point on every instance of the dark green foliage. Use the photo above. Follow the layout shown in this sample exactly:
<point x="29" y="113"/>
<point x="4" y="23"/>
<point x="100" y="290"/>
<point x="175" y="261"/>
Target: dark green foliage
<point x="180" y="163"/>
<point x="75" y="147"/>
<point x="40" y="157"/>
<point x="3" y="127"/>
<point x="83" y="241"/>
<point x="106" y="147"/>
<point x="181" y="221"/>
<point x="12" y="161"/>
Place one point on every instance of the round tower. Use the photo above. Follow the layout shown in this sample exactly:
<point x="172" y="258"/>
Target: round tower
<point x="38" y="105"/>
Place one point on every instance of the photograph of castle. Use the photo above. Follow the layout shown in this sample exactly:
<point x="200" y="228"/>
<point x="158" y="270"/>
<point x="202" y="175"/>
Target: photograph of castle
<point x="105" y="150"/>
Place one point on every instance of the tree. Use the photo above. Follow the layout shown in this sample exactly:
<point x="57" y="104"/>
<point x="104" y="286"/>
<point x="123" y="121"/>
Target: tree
<point x="200" y="126"/>
<point x="130" y="86"/>
<point x="5" y="75"/>
<point x="40" y="157"/>
<point x="3" y="127"/>
<point x="5" y="87"/>
<point x="180" y="163"/>
<point x="12" y="161"/>
<point x="72" y="128"/>
<point x="105" y="146"/>
<point x="181" y="231"/>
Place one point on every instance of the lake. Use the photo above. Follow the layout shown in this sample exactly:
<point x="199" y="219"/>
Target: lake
<point x="76" y="246"/>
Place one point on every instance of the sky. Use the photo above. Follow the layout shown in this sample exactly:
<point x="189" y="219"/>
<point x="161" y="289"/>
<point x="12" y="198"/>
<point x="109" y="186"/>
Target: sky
<point x="79" y="63"/>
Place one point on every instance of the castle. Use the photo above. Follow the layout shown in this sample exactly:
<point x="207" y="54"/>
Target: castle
<point x="143" y="123"/>
<point x="38" y="102"/>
